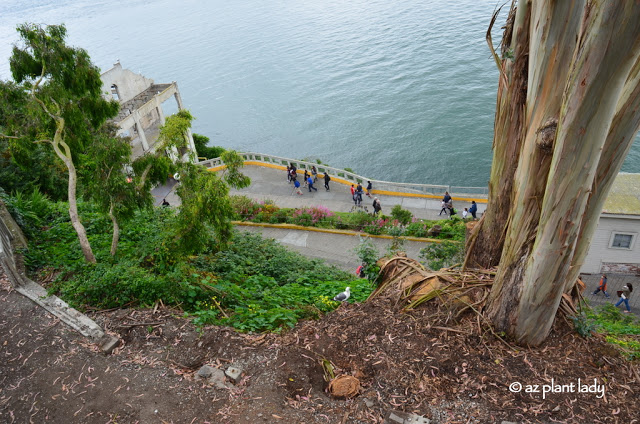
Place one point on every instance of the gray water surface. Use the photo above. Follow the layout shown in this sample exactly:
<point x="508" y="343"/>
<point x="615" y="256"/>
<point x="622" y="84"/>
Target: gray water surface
<point x="402" y="90"/>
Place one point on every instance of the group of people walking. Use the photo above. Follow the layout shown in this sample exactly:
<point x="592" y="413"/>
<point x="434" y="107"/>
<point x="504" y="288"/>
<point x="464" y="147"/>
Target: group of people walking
<point x="623" y="294"/>
<point x="447" y="208"/>
<point x="309" y="179"/>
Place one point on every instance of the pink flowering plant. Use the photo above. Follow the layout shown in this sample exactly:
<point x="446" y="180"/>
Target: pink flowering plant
<point x="377" y="227"/>
<point x="313" y="216"/>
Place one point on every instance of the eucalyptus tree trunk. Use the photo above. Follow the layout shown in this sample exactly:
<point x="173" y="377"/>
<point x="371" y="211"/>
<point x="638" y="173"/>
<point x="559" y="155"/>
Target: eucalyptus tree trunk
<point x="487" y="238"/>
<point x="116" y="229"/>
<point x="580" y="117"/>
<point x="58" y="146"/>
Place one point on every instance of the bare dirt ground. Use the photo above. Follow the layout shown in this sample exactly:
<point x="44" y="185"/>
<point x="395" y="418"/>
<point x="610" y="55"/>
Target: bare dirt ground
<point x="405" y="362"/>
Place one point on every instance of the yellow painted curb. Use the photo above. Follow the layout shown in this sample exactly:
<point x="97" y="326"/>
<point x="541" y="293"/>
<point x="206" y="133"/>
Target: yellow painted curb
<point x="332" y="231"/>
<point x="348" y="183"/>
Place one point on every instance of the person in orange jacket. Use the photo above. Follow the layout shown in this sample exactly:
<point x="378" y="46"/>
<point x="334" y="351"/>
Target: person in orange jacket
<point x="602" y="287"/>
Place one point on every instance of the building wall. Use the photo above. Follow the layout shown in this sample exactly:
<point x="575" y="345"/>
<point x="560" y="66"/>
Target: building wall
<point x="129" y="84"/>
<point x="602" y="257"/>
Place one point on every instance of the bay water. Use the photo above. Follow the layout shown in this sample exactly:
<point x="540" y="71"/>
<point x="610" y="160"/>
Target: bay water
<point x="400" y="91"/>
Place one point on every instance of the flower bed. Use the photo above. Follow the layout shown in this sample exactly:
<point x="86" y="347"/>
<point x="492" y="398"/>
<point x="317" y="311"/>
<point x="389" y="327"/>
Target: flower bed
<point x="320" y="216"/>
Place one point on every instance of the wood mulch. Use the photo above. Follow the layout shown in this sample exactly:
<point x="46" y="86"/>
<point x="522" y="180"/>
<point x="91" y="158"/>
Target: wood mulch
<point x="448" y="368"/>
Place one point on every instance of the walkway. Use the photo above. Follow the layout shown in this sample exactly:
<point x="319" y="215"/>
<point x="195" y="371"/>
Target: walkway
<point x="269" y="183"/>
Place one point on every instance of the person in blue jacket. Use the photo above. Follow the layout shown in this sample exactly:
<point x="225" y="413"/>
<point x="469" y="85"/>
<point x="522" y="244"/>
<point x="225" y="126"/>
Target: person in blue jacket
<point x="473" y="209"/>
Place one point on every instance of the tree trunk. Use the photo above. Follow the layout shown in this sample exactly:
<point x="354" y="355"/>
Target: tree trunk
<point x="624" y="127"/>
<point x="73" y="203"/>
<point x="116" y="231"/>
<point x="570" y="110"/>
<point x="488" y="236"/>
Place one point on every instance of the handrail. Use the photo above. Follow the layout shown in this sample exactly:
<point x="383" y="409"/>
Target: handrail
<point x="433" y="189"/>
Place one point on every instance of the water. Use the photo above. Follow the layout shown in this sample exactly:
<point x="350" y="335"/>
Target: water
<point x="401" y="91"/>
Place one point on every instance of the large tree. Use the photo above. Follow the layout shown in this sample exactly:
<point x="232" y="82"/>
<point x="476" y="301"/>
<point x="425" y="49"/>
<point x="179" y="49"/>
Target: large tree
<point x="64" y="103"/>
<point x="568" y="110"/>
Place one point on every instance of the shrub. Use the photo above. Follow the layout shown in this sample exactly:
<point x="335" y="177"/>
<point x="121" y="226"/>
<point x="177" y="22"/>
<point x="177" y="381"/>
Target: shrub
<point x="417" y="229"/>
<point x="357" y="221"/>
<point x="402" y="215"/>
<point x="311" y="216"/>
<point x="439" y="255"/>
<point x="368" y="255"/>
<point x="376" y="227"/>
<point x="242" y="206"/>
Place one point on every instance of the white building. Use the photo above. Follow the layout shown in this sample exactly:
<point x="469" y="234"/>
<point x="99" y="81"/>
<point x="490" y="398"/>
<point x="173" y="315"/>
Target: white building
<point x="614" y="247"/>
<point x="141" y="113"/>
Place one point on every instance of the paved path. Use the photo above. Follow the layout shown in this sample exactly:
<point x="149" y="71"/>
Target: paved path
<point x="336" y="249"/>
<point x="268" y="183"/>
<point x="614" y="283"/>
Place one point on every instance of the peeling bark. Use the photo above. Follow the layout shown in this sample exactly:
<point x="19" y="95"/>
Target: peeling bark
<point x="593" y="102"/>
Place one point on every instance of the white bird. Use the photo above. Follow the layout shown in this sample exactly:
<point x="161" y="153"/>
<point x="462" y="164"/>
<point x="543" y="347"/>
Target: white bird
<point x="341" y="297"/>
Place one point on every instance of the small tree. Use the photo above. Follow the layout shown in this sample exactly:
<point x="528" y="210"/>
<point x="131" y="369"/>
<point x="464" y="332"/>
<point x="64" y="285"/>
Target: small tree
<point x="65" y="105"/>
<point x="107" y="183"/>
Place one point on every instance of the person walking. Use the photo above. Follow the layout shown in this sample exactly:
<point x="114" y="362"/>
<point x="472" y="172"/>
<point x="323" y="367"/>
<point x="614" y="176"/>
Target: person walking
<point x="327" y="178"/>
<point x="353" y="194"/>
<point x="310" y="184"/>
<point x="358" y="194"/>
<point x="446" y="198"/>
<point x="289" y="174"/>
<point x="602" y="287"/>
<point x="369" y="187"/>
<point x="314" y="174"/>
<point x="443" y="206"/>
<point x="296" y="185"/>
<point x="624" y="296"/>
<point x="377" y="207"/>
<point x="473" y="209"/>
<point x="306" y="177"/>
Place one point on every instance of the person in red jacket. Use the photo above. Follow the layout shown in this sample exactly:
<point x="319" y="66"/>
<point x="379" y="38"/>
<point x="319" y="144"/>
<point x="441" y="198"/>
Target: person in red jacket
<point x="602" y="287"/>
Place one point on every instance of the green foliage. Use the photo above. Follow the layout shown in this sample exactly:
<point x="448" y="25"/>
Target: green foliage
<point x="105" y="182"/>
<point x="30" y="210"/>
<point x="440" y="255"/>
<point x="584" y="325"/>
<point x="260" y="303"/>
<point x="611" y="320"/>
<point x="252" y="255"/>
<point x="368" y="255"/>
<point x="204" y="150"/>
<point x="255" y="285"/>
<point x="71" y="87"/>
<point x="418" y="229"/>
<point x="397" y="244"/>
<point x="205" y="204"/>
<point x="232" y="175"/>
<point x="349" y="170"/>
<point x="622" y="330"/>
<point x="174" y="132"/>
<point x="402" y="215"/>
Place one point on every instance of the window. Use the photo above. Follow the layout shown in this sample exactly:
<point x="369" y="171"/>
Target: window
<point x="622" y="240"/>
<point x="114" y="92"/>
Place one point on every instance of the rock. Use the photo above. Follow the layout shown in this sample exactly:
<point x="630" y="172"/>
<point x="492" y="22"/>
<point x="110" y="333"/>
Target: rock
<point x="205" y="371"/>
<point x="398" y="417"/>
<point x="108" y="343"/>
<point x="369" y="403"/>
<point x="218" y="379"/>
<point x="434" y="231"/>
<point x="234" y="374"/>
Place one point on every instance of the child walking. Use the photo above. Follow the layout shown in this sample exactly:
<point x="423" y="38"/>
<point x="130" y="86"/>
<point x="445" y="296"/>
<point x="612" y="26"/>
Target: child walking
<point x="602" y="287"/>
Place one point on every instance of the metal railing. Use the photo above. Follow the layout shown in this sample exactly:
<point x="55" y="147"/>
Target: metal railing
<point x="432" y="189"/>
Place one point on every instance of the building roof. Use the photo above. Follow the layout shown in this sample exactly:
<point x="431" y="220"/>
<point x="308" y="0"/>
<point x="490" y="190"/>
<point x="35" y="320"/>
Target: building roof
<point x="624" y="197"/>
